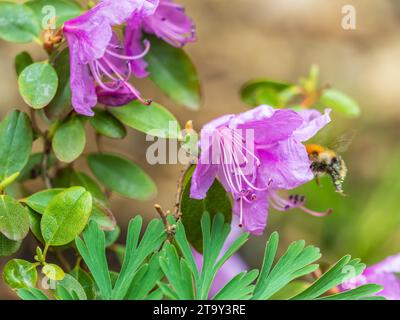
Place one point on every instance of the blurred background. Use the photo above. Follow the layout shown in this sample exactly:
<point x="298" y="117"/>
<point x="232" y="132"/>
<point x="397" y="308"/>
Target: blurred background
<point x="240" y="40"/>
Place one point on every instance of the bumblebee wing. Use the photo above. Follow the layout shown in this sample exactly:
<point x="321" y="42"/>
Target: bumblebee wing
<point x="343" y="142"/>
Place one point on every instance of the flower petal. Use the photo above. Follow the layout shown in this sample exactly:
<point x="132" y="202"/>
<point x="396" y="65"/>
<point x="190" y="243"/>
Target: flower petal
<point x="286" y="165"/>
<point x="202" y="180"/>
<point x="313" y="121"/>
<point x="255" y="213"/>
<point x="170" y="23"/>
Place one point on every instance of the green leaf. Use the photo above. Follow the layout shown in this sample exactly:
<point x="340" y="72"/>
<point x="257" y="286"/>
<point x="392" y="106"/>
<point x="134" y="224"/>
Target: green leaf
<point x="112" y="236"/>
<point x="66" y="216"/>
<point x="33" y="168"/>
<point x="64" y="10"/>
<point x="15" y="143"/>
<point x="39" y="201"/>
<point x="340" y="102"/>
<point x="34" y="222"/>
<point x="38" y="84"/>
<point x="83" y="180"/>
<point x="92" y="250"/>
<point x="335" y="276"/>
<point x="172" y="70"/>
<point x="69" y="140"/>
<point x="19" y="273"/>
<point x="31" y="294"/>
<point x="86" y="282"/>
<point x="61" y="103"/>
<point x="263" y="91"/>
<point x="70" y="289"/>
<point x="107" y="125"/>
<point x="216" y="201"/>
<point x="154" y="120"/>
<point x="14" y="219"/>
<point x="122" y="176"/>
<point x="103" y="216"/>
<point x="239" y="288"/>
<point x="53" y="272"/>
<point x="18" y="23"/>
<point x="22" y="60"/>
<point x="361" y="292"/>
<point x="7" y="246"/>
<point x="137" y="253"/>
<point x="296" y="262"/>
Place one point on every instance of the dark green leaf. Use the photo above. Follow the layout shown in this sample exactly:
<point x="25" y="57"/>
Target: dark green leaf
<point x="107" y="125"/>
<point x="61" y="103"/>
<point x="38" y="84"/>
<point x="154" y="120"/>
<point x="15" y="143"/>
<point x="69" y="140"/>
<point x="22" y="60"/>
<point x="122" y="176"/>
<point x="172" y="70"/>
<point x="72" y="287"/>
<point x="86" y="282"/>
<point x="83" y="180"/>
<point x="216" y="201"/>
<point x="340" y="102"/>
<point x="14" y="219"/>
<point x="34" y="221"/>
<point x="19" y="273"/>
<point x="18" y="23"/>
<point x="7" y="246"/>
<point x="66" y="216"/>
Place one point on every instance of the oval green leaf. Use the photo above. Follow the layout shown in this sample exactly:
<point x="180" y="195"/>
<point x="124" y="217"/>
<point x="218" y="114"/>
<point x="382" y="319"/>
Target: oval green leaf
<point x="83" y="180"/>
<point x="34" y="222"/>
<point x="19" y="274"/>
<point x="154" y="120"/>
<point x="172" y="70"/>
<point x="39" y="201"/>
<point x="340" y="102"/>
<point x="15" y="143"/>
<point x="17" y="23"/>
<point x="64" y="10"/>
<point x="22" y="60"/>
<point x="38" y="84"/>
<point x="216" y="201"/>
<point x="107" y="125"/>
<point x="69" y="140"/>
<point x="66" y="216"/>
<point x="7" y="246"/>
<point x="72" y="286"/>
<point x="122" y="176"/>
<point x="53" y="272"/>
<point x="14" y="218"/>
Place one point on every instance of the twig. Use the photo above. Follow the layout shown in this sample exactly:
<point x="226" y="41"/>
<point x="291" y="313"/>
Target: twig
<point x="171" y="229"/>
<point x="45" y="161"/>
<point x="177" y="210"/>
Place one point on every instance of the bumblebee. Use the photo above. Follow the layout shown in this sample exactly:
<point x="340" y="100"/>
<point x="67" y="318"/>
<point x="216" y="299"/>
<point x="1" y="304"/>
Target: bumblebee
<point x="326" y="161"/>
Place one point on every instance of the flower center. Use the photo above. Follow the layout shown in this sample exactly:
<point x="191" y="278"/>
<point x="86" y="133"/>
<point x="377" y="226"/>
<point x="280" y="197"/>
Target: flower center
<point x="115" y="69"/>
<point x="239" y="165"/>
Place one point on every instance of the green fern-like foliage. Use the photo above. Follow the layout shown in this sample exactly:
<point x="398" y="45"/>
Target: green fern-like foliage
<point x="155" y="268"/>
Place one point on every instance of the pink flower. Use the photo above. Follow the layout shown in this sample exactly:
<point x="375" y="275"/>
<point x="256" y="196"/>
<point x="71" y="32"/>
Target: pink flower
<point x="97" y="58"/>
<point x="255" y="154"/>
<point x="168" y="22"/>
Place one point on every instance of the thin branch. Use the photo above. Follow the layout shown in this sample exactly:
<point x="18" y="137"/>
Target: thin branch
<point x="45" y="161"/>
<point x="171" y="229"/>
<point x="177" y="209"/>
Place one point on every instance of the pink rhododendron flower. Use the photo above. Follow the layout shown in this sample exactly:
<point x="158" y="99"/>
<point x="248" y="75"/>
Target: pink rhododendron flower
<point x="255" y="154"/>
<point x="382" y="273"/>
<point x="168" y="22"/>
<point x="232" y="267"/>
<point x="97" y="58"/>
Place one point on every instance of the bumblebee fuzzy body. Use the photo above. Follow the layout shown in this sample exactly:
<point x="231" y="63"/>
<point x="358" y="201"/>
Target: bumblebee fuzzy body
<point x="326" y="161"/>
